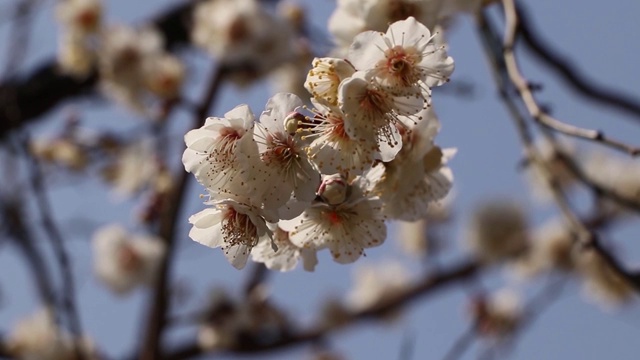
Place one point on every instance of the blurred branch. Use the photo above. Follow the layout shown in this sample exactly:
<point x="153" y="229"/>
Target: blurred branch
<point x="20" y="35"/>
<point x="598" y="189"/>
<point x="462" y="343"/>
<point x="26" y="98"/>
<point x="57" y="243"/>
<point x="428" y="286"/>
<point x="4" y="352"/>
<point x="25" y="243"/>
<point x="568" y="71"/>
<point x="168" y="232"/>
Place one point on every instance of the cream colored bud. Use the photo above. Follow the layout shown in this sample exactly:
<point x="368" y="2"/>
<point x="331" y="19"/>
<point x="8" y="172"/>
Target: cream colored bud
<point x="333" y="189"/>
<point x="292" y="121"/>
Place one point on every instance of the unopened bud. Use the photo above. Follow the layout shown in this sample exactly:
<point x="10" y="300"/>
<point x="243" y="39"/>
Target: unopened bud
<point x="334" y="189"/>
<point x="292" y="121"/>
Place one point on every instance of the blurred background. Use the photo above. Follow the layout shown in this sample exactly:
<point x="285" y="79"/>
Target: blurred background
<point x="600" y="42"/>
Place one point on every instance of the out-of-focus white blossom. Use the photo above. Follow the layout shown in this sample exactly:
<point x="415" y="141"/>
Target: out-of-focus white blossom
<point x="498" y="232"/>
<point x="60" y="151"/>
<point x="412" y="238"/>
<point x="81" y="17"/>
<point x="551" y="249"/>
<point x="242" y="33"/>
<point x="499" y="315"/>
<point x="124" y="261"/>
<point x="352" y="17"/>
<point x="375" y="283"/>
<point x="133" y="66"/>
<point x="37" y="337"/>
<point x="75" y="56"/>
<point x="600" y="282"/>
<point x="621" y="175"/>
<point x="562" y="176"/>
<point x="137" y="168"/>
<point x="164" y="75"/>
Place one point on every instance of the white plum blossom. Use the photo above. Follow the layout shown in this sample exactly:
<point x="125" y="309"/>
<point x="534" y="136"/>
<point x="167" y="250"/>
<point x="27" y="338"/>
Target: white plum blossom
<point x="287" y="256"/>
<point x="38" y="337"/>
<point x="403" y="61"/>
<point x="551" y="249"/>
<point x="80" y="17"/>
<point x="164" y="75"/>
<point x="563" y="176"/>
<point x="242" y="33"/>
<point x="370" y="112"/>
<point x="498" y="232"/>
<point x="123" y="53"/>
<point x="418" y="176"/>
<point x="352" y="17"/>
<point x="124" y="261"/>
<point x="601" y="283"/>
<point x="375" y="283"/>
<point x="235" y="225"/>
<point x="499" y="315"/>
<point x="325" y="77"/>
<point x="75" y="56"/>
<point x="213" y="151"/>
<point x="136" y="169"/>
<point x="346" y="229"/>
<point x="333" y="150"/>
<point x="412" y="238"/>
<point x="292" y="176"/>
<point x="330" y="175"/>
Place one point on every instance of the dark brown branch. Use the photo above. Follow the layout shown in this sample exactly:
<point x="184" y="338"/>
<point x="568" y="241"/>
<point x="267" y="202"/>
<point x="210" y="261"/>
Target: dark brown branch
<point x="428" y="286"/>
<point x="24" y="99"/>
<point x="57" y="243"/>
<point x="168" y="231"/>
<point x="569" y="72"/>
<point x="25" y="243"/>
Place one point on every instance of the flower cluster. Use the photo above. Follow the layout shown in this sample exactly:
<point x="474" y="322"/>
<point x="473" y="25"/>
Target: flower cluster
<point x="305" y="179"/>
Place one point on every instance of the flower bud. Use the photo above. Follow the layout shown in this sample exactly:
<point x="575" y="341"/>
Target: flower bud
<point x="333" y="189"/>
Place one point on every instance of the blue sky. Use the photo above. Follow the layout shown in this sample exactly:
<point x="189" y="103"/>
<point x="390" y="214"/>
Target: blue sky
<point x="600" y="39"/>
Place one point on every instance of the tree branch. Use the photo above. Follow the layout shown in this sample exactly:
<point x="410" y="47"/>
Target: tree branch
<point x="168" y="232"/>
<point x="569" y="73"/>
<point x="24" y="99"/>
<point x="428" y="286"/>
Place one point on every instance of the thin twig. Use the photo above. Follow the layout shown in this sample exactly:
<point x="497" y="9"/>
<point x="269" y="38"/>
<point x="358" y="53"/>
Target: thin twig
<point x="585" y="236"/>
<point x="57" y="243"/>
<point x="524" y="89"/>
<point x="20" y="35"/>
<point x="462" y="343"/>
<point x="569" y="73"/>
